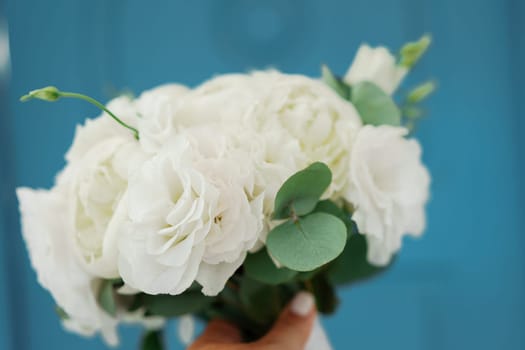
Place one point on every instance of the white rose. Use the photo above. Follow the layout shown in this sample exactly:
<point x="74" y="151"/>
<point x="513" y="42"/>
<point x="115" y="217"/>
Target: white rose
<point x="303" y="121"/>
<point x="378" y="66"/>
<point x="50" y="245"/>
<point x="94" y="182"/>
<point x="171" y="209"/>
<point x="388" y="186"/>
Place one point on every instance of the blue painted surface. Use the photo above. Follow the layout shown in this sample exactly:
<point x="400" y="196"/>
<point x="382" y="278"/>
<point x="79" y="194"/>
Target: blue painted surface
<point x="462" y="286"/>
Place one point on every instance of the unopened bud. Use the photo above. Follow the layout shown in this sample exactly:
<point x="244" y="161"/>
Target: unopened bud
<point x="49" y="93"/>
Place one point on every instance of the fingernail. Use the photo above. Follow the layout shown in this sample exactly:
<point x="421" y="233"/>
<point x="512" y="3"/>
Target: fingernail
<point x="302" y="304"/>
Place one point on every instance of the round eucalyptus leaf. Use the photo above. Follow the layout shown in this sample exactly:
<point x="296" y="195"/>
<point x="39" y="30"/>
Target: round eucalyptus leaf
<point x="374" y="106"/>
<point x="260" y="267"/>
<point x="307" y="243"/>
<point x="329" y="207"/>
<point x="300" y="193"/>
<point x="352" y="265"/>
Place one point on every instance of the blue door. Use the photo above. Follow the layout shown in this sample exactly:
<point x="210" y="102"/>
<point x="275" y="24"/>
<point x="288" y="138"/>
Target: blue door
<point x="462" y="286"/>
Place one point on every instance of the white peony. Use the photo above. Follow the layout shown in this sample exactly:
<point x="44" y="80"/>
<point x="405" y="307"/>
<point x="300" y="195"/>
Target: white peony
<point x="301" y="121"/>
<point x="378" y="66"/>
<point x="157" y="109"/>
<point x="227" y="100"/>
<point x="50" y="245"/>
<point x="388" y="186"/>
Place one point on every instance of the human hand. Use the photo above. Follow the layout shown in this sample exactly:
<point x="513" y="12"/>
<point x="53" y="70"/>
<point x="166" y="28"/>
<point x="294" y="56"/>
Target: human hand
<point x="290" y="332"/>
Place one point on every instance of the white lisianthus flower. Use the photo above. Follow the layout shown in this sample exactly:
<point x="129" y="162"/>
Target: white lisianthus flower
<point x="238" y="218"/>
<point x="378" y="66"/>
<point x="73" y="252"/>
<point x="171" y="209"/>
<point x="304" y="119"/>
<point x="388" y="187"/>
<point x="192" y="216"/>
<point x="50" y="245"/>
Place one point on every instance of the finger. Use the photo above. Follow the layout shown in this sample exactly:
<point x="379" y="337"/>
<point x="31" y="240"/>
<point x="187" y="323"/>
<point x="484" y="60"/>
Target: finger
<point x="293" y="327"/>
<point x="218" y="332"/>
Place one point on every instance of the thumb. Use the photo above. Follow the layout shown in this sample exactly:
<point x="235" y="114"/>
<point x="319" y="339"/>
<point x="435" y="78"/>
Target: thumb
<point x="218" y="332"/>
<point x="292" y="329"/>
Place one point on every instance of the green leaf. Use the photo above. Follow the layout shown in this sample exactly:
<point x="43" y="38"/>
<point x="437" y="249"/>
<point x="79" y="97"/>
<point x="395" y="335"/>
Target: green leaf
<point x="260" y="267"/>
<point x="106" y="298"/>
<point x="375" y="106"/>
<point x="176" y="305"/>
<point x="335" y="83"/>
<point x="421" y="92"/>
<point x="299" y="194"/>
<point x="307" y="243"/>
<point x="324" y="292"/>
<point x="329" y="207"/>
<point x="411" y="52"/>
<point x="352" y="265"/>
<point x="152" y="340"/>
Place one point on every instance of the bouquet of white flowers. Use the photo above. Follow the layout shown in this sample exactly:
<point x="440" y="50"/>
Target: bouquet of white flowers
<point x="227" y="199"/>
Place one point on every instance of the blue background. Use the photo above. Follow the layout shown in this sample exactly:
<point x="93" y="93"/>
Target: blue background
<point x="459" y="287"/>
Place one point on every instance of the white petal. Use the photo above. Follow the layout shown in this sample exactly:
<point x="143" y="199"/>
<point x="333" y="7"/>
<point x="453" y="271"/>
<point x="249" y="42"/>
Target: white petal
<point x="186" y="329"/>
<point x="213" y="278"/>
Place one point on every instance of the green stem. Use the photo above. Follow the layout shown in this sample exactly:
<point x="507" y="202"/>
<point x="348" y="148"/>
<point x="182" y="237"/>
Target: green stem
<point x="309" y="286"/>
<point x="152" y="340"/>
<point x="102" y="107"/>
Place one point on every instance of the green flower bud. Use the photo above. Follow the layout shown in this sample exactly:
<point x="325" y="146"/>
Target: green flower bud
<point x="49" y="93"/>
<point x="419" y="93"/>
<point x="412" y="52"/>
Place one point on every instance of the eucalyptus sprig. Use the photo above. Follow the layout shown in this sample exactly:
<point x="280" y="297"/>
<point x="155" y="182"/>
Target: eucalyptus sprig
<point x="307" y="239"/>
<point x="52" y="94"/>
